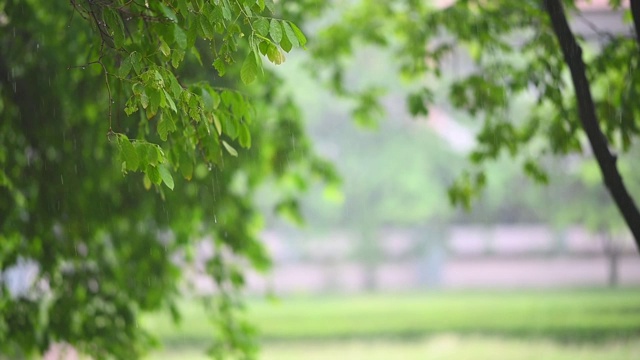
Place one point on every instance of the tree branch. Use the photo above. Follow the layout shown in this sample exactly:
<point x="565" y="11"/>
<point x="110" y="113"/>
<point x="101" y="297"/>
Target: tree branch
<point x="606" y="160"/>
<point x="635" y="13"/>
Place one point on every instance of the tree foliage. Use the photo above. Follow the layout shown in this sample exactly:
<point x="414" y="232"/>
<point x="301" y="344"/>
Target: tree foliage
<point x="158" y="90"/>
<point x="91" y="90"/>
<point x="516" y="50"/>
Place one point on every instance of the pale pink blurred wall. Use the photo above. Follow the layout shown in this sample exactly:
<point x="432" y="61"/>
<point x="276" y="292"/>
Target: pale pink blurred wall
<point x="501" y="256"/>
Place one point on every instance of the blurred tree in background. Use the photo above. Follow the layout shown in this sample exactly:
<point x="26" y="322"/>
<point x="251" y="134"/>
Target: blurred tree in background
<point x="517" y="49"/>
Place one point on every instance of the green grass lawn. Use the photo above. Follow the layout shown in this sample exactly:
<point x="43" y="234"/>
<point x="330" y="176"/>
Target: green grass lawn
<point x="441" y="347"/>
<point x="565" y="324"/>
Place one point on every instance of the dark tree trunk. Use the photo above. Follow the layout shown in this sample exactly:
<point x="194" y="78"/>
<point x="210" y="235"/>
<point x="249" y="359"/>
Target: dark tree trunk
<point x="606" y="160"/>
<point x="635" y="13"/>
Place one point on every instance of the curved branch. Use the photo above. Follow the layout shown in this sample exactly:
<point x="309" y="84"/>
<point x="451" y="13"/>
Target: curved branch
<point x="635" y="13"/>
<point x="606" y="160"/>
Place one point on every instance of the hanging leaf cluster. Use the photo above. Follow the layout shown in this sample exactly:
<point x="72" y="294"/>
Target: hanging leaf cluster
<point x="149" y="43"/>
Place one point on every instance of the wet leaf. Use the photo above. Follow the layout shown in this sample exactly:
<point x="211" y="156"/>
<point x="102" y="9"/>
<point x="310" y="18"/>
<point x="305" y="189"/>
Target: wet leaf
<point x="249" y="69"/>
<point x="167" y="179"/>
<point x="229" y="148"/>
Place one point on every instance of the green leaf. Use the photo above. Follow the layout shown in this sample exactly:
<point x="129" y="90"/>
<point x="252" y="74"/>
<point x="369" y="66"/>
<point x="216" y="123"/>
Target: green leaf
<point x="247" y="11"/>
<point x="129" y="154"/>
<point x="537" y="173"/>
<point x="264" y="47"/>
<point x="206" y="27"/>
<point x="244" y="136"/>
<point x="136" y="61"/>
<point x="164" y="48"/>
<point x="261" y="26"/>
<point x="192" y="28"/>
<point x="220" y="66"/>
<point x="115" y="25"/>
<point x="275" y="30"/>
<point x="290" y="209"/>
<point x="141" y="150"/>
<point x="146" y="182"/>
<point x="270" y="5"/>
<point x="290" y="34"/>
<point x="137" y="88"/>
<point x="226" y="10"/>
<point x="176" y="57"/>
<point x="230" y="126"/>
<point x="285" y="44"/>
<point x="130" y="107"/>
<point x="249" y="69"/>
<point x="416" y="104"/>
<point x="125" y="67"/>
<point x="154" y="98"/>
<point x="174" y="85"/>
<point x="168" y="12"/>
<point x="163" y="129"/>
<point x="154" y="174"/>
<point x="229" y="149"/>
<point x="215" y="98"/>
<point x="153" y="154"/>
<point x="180" y="37"/>
<point x="182" y="6"/>
<point x="159" y="79"/>
<point x="167" y="179"/>
<point x="274" y="55"/>
<point x="217" y="124"/>
<point x="299" y="34"/>
<point x="229" y="98"/>
<point x="144" y="100"/>
<point x="165" y="126"/>
<point x="172" y="105"/>
<point x="207" y="100"/>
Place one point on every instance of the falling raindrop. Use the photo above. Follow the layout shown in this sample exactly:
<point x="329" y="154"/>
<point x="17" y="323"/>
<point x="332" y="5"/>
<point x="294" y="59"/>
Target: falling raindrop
<point x="215" y="219"/>
<point x="209" y="166"/>
<point x="61" y="179"/>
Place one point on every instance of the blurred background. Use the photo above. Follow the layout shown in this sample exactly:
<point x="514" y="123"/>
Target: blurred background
<point x="384" y="267"/>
